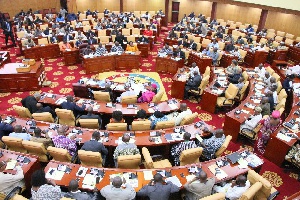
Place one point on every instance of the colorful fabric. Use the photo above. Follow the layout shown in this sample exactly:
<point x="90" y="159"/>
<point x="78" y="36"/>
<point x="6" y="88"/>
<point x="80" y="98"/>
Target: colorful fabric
<point x="64" y="142"/>
<point x="178" y="148"/>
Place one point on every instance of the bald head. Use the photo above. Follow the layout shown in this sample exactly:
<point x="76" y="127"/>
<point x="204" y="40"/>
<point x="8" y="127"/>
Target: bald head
<point x="18" y="129"/>
<point x="183" y="107"/>
<point x="117" y="182"/>
<point x="241" y="180"/>
<point x="39" y="106"/>
<point x="125" y="137"/>
<point x="37" y="96"/>
<point x="90" y="109"/>
<point x="202" y="176"/>
<point x="73" y="186"/>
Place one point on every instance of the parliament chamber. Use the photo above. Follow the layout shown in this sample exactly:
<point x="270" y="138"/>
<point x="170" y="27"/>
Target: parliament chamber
<point x="176" y="95"/>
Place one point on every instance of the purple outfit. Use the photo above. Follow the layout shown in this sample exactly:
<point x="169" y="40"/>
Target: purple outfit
<point x="64" y="142"/>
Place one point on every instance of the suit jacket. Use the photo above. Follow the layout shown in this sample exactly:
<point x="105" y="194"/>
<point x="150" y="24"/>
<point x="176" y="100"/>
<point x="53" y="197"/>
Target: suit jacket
<point x="181" y="54"/>
<point x="5" y="129"/>
<point x="184" y="36"/>
<point x="46" y="32"/>
<point x="80" y="196"/>
<point x="120" y="39"/>
<point x="95" y="146"/>
<point x="46" y="109"/>
<point x="158" y="191"/>
<point x="143" y="39"/>
<point x="194" y="82"/>
<point x="91" y="116"/>
<point x="72" y="106"/>
<point x="183" y="43"/>
<point x="93" y="41"/>
<point x="66" y="37"/>
<point x="193" y="46"/>
<point x="5" y="27"/>
<point x="30" y="103"/>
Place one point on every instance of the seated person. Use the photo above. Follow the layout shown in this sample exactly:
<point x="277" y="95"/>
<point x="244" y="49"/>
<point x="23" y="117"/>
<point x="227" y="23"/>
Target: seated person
<point x="60" y="18"/>
<point x="240" y="40"/>
<point x="212" y="144"/>
<point x="229" y="47"/>
<point x="192" y="84"/>
<point x="98" y="26"/>
<point x="5" y="128"/>
<point x="267" y="78"/>
<point x="158" y="189"/>
<point x="65" y="46"/>
<point x="214" y="44"/>
<point x="178" y="53"/>
<point x="38" y="32"/>
<point x="183" y="35"/>
<point x="233" y="68"/>
<point x="143" y="39"/>
<point x="117" y="117"/>
<point x="91" y="41"/>
<point x="90" y="115"/>
<point x="128" y="92"/>
<point x="53" y="38"/>
<point x="95" y="145"/>
<point x="19" y="133"/>
<point x="157" y="117"/>
<point x="166" y="49"/>
<point x="206" y="52"/>
<point x="37" y="137"/>
<point x="100" y="50"/>
<point x="75" y="193"/>
<point x="178" y="148"/>
<point x="260" y="70"/>
<point x="294" y="154"/>
<point x="148" y="95"/>
<point x="183" y="42"/>
<point x="172" y="35"/>
<point x="42" y="109"/>
<point x="64" y="142"/>
<point x="117" y="191"/>
<point x="253" y="120"/>
<point x="234" y="78"/>
<point x="265" y="106"/>
<point x="192" y="45"/>
<point x="78" y="24"/>
<point x="178" y="116"/>
<point x="141" y="115"/>
<point x="117" y="48"/>
<point x="10" y="181"/>
<point x="240" y="83"/>
<point x="193" y="68"/>
<point x="199" y="187"/>
<point x="46" y="32"/>
<point x="148" y="32"/>
<point x="78" y="42"/>
<point x="86" y="51"/>
<point x="131" y="47"/>
<point x="125" y="148"/>
<point x="71" y="105"/>
<point x="259" y="48"/>
<point x="80" y="35"/>
<point x="29" y="43"/>
<point x="121" y="39"/>
<point x="236" y="52"/>
<point x="235" y="189"/>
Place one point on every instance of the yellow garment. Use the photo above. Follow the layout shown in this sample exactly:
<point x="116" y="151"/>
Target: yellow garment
<point x="132" y="48"/>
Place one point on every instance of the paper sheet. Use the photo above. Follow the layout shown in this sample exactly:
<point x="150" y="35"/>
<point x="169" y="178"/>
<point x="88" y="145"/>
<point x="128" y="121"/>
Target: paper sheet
<point x="283" y="137"/>
<point x="173" y="106"/>
<point x="245" y="111"/>
<point x="148" y="175"/>
<point x="11" y="164"/>
<point x="150" y="110"/>
<point x="190" y="177"/>
<point x="89" y="179"/>
<point x="221" y="175"/>
<point x="58" y="175"/>
<point x="174" y="180"/>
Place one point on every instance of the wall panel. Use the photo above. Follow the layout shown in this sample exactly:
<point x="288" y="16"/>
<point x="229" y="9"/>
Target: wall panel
<point x="145" y="5"/>
<point x="14" y="6"/>
<point x="283" y="22"/>
<point x="238" y="13"/>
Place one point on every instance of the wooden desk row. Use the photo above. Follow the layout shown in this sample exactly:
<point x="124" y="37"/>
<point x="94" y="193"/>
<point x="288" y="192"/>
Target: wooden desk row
<point x="181" y="172"/>
<point x="12" y="81"/>
<point x="112" y="62"/>
<point x="168" y="65"/>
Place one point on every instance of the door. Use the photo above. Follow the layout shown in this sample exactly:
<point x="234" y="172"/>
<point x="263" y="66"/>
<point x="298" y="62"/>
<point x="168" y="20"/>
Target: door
<point x="175" y="11"/>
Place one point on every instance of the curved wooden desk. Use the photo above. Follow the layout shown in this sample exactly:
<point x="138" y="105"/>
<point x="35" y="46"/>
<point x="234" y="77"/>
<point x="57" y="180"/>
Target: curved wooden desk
<point x="168" y="65"/>
<point x="253" y="59"/>
<point x="42" y="51"/>
<point x="202" y="62"/>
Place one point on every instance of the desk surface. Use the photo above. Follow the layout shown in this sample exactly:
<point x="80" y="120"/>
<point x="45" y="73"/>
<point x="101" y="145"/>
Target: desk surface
<point x="10" y="68"/>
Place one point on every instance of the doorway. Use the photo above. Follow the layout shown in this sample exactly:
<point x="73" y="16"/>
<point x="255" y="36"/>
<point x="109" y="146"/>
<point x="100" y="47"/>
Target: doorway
<point x="175" y="11"/>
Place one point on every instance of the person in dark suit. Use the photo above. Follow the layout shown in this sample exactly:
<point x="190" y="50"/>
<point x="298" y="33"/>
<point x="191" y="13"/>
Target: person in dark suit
<point x="179" y="53"/>
<point x="158" y="189"/>
<point x="90" y="115"/>
<point x="67" y="37"/>
<point x="92" y="40"/>
<point x="42" y="109"/>
<point x="89" y="34"/>
<point x="192" y="83"/>
<point x="88" y="12"/>
<point x="141" y="25"/>
<point x="30" y="102"/>
<point x="120" y="38"/>
<point x="5" y="128"/>
<point x="184" y="35"/>
<point x="7" y="30"/>
<point x="105" y="11"/>
<point x="183" y="42"/>
<point x="95" y="146"/>
<point x="192" y="45"/>
<point x="75" y="193"/>
<point x="143" y="39"/>
<point x="53" y="38"/>
<point x="229" y="47"/>
<point x="288" y="83"/>
<point x="71" y="105"/>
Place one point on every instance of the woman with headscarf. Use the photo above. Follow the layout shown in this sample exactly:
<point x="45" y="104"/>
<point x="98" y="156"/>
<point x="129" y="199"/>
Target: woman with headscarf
<point x="148" y="95"/>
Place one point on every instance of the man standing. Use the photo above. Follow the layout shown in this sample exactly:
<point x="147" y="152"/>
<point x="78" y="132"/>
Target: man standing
<point x="199" y="187"/>
<point x="157" y="189"/>
<point x="116" y="192"/>
<point x="192" y="83"/>
<point x="7" y="30"/>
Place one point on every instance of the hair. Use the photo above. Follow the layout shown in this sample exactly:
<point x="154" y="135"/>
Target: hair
<point x="73" y="185"/>
<point x="18" y="128"/>
<point x="158" y="114"/>
<point x="234" y="62"/>
<point x="117" y="115"/>
<point x="125" y="137"/>
<point x="117" y="182"/>
<point x="38" y="178"/>
<point x="141" y="114"/>
<point x="158" y="178"/>
<point x="37" y="132"/>
<point x="95" y="135"/>
<point x="69" y="98"/>
<point x="186" y="136"/>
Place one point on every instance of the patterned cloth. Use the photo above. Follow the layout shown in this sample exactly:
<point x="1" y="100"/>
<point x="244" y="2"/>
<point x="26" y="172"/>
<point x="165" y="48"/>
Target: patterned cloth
<point x="100" y="51"/>
<point x="126" y="149"/>
<point x="211" y="146"/>
<point x="146" y="97"/>
<point x="46" y="192"/>
<point x="64" y="142"/>
<point x="294" y="155"/>
<point x="178" y="148"/>
<point x="264" y="134"/>
<point x="116" y="49"/>
<point x="154" y="120"/>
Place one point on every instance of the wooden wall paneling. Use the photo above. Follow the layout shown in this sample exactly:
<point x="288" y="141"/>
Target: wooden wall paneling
<point x="109" y="4"/>
<point x="288" y="23"/>
<point x="145" y="5"/>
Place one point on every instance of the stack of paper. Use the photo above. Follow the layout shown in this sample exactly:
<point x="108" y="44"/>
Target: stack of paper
<point x="243" y="164"/>
<point x="254" y="160"/>
<point x="89" y="181"/>
<point x="174" y="180"/>
<point x="245" y="111"/>
<point x="284" y="137"/>
<point x="11" y="165"/>
<point x="53" y="173"/>
<point x="150" y="110"/>
<point x="190" y="177"/>
<point x="60" y="101"/>
<point x="147" y="175"/>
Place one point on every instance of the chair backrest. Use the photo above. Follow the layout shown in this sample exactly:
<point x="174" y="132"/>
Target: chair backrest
<point x="104" y="39"/>
<point x="282" y="94"/>
<point x="278" y="38"/>
<point x="148" y="158"/>
<point x="281" y="104"/>
<point x="131" y="38"/>
<point x="102" y="96"/>
<point x="129" y="25"/>
<point x="18" y="197"/>
<point x="280" y="33"/>
<point x="188" y="119"/>
<point x="265" y="191"/>
<point x="263" y="40"/>
<point x="250" y="192"/>
<point x="245" y="75"/>
<point x="43" y="41"/>
<point x="216" y="196"/>
<point x="224" y="146"/>
<point x="141" y="125"/>
<point x="207" y="72"/>
<point x="65" y="117"/>
<point x="288" y="41"/>
<point x="126" y="31"/>
<point x="231" y="91"/>
<point x="20" y="34"/>
<point x="36" y="148"/>
<point x="102" y="32"/>
<point x="22" y="111"/>
<point x="59" y="154"/>
<point x="129" y="161"/>
<point x="100" y="15"/>
<point x="203" y="84"/>
<point x="276" y="76"/>
<point x="279" y="87"/>
<point x="116" y="127"/>
<point x="164" y="124"/>
<point x="129" y="99"/>
<point x="289" y="36"/>
<point x="136" y="31"/>
<point x="270" y="35"/>
<point x="158" y="96"/>
<point x="270" y="70"/>
<point x="243" y="53"/>
<point x="89" y="123"/>
<point x="190" y="156"/>
<point x="45" y="117"/>
<point x="14" y="144"/>
<point x="281" y="110"/>
<point x="243" y="90"/>
<point x="90" y="158"/>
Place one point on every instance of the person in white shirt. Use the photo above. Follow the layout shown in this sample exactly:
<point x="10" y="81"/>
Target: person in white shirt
<point x="259" y="48"/>
<point x="261" y="71"/>
<point x="10" y="181"/>
<point x="178" y="116"/>
<point x="194" y="68"/>
<point x="235" y="189"/>
<point x="214" y="44"/>
<point x="253" y="120"/>
<point x="267" y="78"/>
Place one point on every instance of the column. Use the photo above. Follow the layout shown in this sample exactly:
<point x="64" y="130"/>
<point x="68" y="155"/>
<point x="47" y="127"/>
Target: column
<point x="213" y="11"/>
<point x="262" y="19"/>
